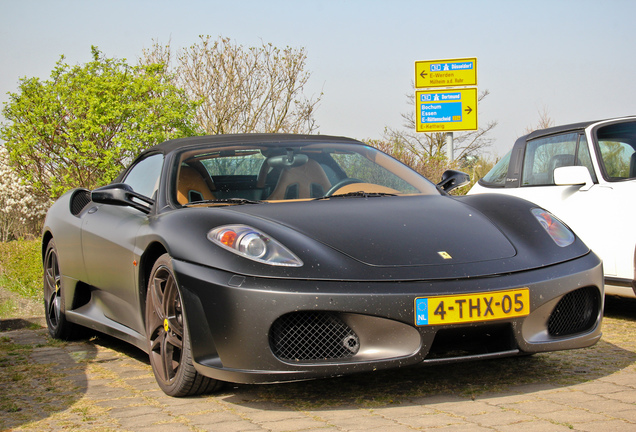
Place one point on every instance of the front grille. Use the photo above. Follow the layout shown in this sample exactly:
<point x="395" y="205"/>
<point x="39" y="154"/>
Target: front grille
<point x="472" y="341"/>
<point x="79" y="200"/>
<point x="576" y="312"/>
<point x="312" y="336"/>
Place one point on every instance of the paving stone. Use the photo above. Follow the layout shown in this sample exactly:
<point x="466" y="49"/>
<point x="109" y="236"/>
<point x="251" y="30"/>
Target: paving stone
<point x="363" y="422"/>
<point x="610" y="407"/>
<point x="410" y="410"/>
<point x="203" y="419"/>
<point x="232" y="426"/>
<point x="143" y="420"/>
<point x="572" y="415"/>
<point x="534" y="406"/>
<point x="534" y="426"/>
<point x="627" y="396"/>
<point x="498" y="418"/>
<point x="605" y="426"/>
<point x="432" y="421"/>
<point x="164" y="427"/>
<point x="467" y="408"/>
<point x="463" y="428"/>
<point x="290" y="424"/>
<point x="130" y="411"/>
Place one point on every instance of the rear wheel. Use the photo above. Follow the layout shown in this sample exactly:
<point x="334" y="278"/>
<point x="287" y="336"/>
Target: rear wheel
<point x="56" y="322"/>
<point x="168" y="338"/>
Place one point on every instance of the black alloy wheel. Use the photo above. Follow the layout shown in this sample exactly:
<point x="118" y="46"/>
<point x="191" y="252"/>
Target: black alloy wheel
<point x="56" y="322"/>
<point x="167" y="333"/>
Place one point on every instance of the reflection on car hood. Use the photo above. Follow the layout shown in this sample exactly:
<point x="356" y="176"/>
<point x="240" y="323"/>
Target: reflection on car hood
<point x="396" y="231"/>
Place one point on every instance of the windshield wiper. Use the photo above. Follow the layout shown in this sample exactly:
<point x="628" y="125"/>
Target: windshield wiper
<point x="358" y="194"/>
<point x="226" y="201"/>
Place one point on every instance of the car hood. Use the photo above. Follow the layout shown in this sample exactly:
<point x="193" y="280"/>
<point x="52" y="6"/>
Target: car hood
<point x="401" y="238"/>
<point x="396" y="231"/>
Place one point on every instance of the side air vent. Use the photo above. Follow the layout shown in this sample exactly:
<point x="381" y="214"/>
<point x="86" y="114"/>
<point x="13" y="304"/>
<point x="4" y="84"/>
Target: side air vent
<point x="312" y="336"/>
<point x="80" y="199"/>
<point x="576" y="312"/>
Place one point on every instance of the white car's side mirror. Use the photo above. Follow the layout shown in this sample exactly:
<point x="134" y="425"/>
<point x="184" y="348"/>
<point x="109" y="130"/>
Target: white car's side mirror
<point x="573" y="176"/>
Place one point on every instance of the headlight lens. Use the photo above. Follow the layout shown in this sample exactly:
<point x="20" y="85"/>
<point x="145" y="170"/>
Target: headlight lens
<point x="561" y="234"/>
<point x="253" y="244"/>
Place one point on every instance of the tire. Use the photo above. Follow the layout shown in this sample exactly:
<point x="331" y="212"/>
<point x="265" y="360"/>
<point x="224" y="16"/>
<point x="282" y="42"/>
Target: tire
<point x="168" y="338"/>
<point x="53" y="290"/>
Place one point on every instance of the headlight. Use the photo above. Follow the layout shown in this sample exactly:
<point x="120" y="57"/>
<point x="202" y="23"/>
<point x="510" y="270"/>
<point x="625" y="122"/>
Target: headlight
<point x="561" y="234"/>
<point x="253" y="244"/>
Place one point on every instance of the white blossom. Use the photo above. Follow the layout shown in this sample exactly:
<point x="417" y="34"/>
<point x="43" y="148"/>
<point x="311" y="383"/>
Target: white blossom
<point x="21" y="213"/>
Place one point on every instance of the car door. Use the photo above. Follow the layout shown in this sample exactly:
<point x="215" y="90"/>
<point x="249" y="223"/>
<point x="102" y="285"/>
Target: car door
<point x="108" y="241"/>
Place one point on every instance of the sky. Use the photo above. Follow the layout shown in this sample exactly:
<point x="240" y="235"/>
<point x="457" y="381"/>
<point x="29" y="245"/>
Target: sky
<point x="575" y="60"/>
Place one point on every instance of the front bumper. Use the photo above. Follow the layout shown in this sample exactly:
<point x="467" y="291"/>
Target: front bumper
<point x="231" y="317"/>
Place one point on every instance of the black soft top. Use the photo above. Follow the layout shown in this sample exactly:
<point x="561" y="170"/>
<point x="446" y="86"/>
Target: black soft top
<point x="273" y="140"/>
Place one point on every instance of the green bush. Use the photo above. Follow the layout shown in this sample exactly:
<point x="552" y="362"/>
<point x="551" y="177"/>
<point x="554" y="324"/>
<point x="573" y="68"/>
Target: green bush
<point x="21" y="267"/>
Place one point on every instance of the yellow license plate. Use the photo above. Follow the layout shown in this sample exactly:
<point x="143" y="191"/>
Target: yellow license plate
<point x="467" y="308"/>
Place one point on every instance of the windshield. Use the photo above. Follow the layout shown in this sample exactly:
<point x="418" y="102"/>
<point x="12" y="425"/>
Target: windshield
<point x="247" y="174"/>
<point x="617" y="148"/>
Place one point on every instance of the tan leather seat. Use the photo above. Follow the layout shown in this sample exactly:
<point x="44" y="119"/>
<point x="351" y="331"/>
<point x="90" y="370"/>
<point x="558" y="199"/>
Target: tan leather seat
<point x="192" y="187"/>
<point x="305" y="181"/>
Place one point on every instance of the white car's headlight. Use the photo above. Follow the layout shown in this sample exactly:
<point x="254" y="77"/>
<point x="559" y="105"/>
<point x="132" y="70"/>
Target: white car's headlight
<point x="253" y="244"/>
<point x="561" y="234"/>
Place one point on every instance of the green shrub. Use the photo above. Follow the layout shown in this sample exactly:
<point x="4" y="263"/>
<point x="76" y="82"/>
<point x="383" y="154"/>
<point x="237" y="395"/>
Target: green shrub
<point x="21" y="267"/>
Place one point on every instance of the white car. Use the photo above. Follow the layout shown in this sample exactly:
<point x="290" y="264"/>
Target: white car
<point x="585" y="174"/>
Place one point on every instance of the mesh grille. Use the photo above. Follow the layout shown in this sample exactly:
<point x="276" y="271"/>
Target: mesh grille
<point x="576" y="312"/>
<point x="79" y="200"/>
<point x="307" y="336"/>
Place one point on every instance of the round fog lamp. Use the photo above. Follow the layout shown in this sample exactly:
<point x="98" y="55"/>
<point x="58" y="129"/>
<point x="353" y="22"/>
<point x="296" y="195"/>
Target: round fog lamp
<point x="253" y="245"/>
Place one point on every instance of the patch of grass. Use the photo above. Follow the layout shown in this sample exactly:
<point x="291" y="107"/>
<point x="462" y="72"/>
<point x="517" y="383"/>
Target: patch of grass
<point x="21" y="267"/>
<point x="7" y="306"/>
<point x="29" y="389"/>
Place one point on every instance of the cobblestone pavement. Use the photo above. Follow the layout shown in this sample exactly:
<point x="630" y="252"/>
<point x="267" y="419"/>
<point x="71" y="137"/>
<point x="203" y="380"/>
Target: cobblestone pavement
<point x="101" y="384"/>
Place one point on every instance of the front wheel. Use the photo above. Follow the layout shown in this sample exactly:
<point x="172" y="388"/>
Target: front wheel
<point x="58" y="326"/>
<point x="168" y="338"/>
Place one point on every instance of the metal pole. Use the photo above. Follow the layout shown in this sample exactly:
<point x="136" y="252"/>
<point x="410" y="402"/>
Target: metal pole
<point x="449" y="146"/>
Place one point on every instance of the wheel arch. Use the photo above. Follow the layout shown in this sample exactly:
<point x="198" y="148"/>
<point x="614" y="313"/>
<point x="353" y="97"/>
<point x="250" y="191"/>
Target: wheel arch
<point x="46" y="238"/>
<point x="146" y="262"/>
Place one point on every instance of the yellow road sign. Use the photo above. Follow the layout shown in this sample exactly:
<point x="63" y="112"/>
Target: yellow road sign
<point x="446" y="73"/>
<point x="446" y="110"/>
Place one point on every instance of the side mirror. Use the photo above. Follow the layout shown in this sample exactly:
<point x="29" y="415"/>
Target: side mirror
<point x="452" y="179"/>
<point x="573" y="176"/>
<point x="121" y="194"/>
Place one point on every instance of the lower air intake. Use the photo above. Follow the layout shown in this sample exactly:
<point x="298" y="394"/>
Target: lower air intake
<point x="312" y="336"/>
<point x="575" y="313"/>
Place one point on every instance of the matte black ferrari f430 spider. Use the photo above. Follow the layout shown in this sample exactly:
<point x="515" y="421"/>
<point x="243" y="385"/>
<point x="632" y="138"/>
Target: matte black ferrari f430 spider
<point x="270" y="258"/>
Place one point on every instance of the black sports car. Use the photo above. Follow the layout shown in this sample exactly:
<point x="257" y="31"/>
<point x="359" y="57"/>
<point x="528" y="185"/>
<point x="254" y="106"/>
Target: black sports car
<point x="268" y="258"/>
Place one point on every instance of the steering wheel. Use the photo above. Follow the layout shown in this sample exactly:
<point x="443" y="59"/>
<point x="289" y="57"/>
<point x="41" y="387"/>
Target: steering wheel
<point x="341" y="183"/>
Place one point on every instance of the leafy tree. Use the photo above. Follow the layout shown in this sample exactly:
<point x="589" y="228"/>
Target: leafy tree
<point x="82" y="126"/>
<point x="241" y="90"/>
